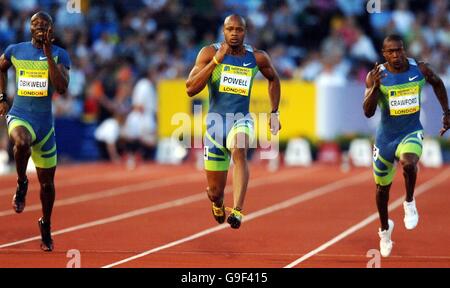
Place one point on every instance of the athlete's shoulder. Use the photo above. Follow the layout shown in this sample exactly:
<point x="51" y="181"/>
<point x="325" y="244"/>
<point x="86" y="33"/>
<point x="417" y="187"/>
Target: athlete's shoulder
<point x="63" y="56"/>
<point x="207" y="53"/>
<point x="17" y="49"/>
<point x="18" y="46"/>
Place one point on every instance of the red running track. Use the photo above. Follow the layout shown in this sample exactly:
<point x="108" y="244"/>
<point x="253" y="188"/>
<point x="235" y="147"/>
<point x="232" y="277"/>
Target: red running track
<point x="159" y="216"/>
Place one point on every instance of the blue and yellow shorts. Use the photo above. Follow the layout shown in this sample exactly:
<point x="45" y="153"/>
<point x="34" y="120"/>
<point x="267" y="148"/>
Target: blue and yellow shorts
<point x="219" y="138"/>
<point x="385" y="154"/>
<point x="43" y="143"/>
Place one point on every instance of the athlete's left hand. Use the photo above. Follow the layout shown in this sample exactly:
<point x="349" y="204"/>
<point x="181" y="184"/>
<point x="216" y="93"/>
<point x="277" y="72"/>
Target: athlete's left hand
<point x="274" y="123"/>
<point x="445" y="124"/>
<point x="48" y="40"/>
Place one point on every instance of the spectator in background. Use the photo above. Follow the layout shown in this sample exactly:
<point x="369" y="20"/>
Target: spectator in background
<point x="108" y="134"/>
<point x="140" y="126"/>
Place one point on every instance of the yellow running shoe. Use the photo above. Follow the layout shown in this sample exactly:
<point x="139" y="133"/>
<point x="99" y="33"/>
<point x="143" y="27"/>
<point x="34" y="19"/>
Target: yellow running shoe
<point x="235" y="218"/>
<point x="218" y="213"/>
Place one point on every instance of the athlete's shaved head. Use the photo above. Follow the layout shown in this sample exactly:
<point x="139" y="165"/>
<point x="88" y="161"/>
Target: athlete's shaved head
<point x="234" y="28"/>
<point x="392" y="38"/>
<point x="43" y="15"/>
<point x="40" y="24"/>
<point x="235" y="17"/>
<point x="394" y="52"/>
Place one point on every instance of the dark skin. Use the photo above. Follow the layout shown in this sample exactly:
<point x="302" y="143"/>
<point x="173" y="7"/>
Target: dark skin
<point x="42" y="37"/>
<point x="234" y="31"/>
<point x="397" y="62"/>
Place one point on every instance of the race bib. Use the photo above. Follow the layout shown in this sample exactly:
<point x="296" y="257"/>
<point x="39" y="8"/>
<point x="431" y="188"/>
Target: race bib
<point x="235" y="80"/>
<point x="404" y="101"/>
<point x="32" y="83"/>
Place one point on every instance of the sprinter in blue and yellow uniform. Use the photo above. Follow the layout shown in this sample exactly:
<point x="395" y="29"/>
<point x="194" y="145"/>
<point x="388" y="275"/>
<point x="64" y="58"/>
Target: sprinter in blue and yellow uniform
<point x="39" y="65"/>
<point x="396" y="87"/>
<point x="228" y="68"/>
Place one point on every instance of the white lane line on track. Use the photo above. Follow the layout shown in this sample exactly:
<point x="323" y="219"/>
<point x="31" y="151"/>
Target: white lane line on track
<point x="65" y="181"/>
<point x="397" y="203"/>
<point x="114" y="192"/>
<point x="170" y="204"/>
<point x="268" y="210"/>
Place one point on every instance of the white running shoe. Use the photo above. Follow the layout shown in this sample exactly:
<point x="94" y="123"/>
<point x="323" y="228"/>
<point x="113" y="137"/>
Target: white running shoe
<point x="385" y="239"/>
<point x="411" y="215"/>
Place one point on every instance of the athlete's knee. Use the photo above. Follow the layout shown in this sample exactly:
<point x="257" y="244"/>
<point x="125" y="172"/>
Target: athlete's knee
<point x="215" y="193"/>
<point x="22" y="144"/>
<point x="409" y="167"/>
<point x="48" y="187"/>
<point x="239" y="155"/>
<point x="383" y="189"/>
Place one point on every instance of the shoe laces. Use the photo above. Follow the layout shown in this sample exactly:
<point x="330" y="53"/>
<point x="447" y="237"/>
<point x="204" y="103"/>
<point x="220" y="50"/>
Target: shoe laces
<point x="410" y="209"/>
<point x="236" y="213"/>
<point x="218" y="211"/>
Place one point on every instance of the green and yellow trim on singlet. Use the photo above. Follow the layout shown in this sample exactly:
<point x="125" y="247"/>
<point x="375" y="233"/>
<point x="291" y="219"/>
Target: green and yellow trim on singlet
<point x="384" y="170"/>
<point x="32" y="79"/>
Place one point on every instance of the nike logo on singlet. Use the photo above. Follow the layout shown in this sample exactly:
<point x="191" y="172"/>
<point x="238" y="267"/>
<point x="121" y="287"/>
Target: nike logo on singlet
<point x="246" y="64"/>
<point x="42" y="58"/>
<point x="412" y="78"/>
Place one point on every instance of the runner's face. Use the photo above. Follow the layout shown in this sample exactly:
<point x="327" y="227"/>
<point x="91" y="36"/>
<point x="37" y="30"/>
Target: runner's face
<point x="234" y="33"/>
<point x="39" y="26"/>
<point x="394" y="53"/>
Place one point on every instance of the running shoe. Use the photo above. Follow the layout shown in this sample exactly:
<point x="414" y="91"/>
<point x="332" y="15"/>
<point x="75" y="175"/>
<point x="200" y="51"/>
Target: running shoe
<point x="218" y="213"/>
<point x="411" y="215"/>
<point x="20" y="195"/>
<point x="385" y="239"/>
<point x="235" y="218"/>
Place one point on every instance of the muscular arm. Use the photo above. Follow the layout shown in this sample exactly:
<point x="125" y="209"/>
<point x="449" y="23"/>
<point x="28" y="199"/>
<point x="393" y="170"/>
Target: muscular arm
<point x="59" y="76"/>
<point x="437" y="84"/>
<point x="266" y="67"/>
<point x="370" y="97"/>
<point x="199" y="75"/>
<point x="373" y="82"/>
<point x="441" y="94"/>
<point x="4" y="66"/>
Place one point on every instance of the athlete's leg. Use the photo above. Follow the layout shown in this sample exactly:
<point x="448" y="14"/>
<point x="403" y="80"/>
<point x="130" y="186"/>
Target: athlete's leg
<point x="217" y="181"/>
<point x="46" y="178"/>
<point x="384" y="171"/>
<point x="382" y="199"/>
<point x="409" y="152"/>
<point x="240" y="171"/>
<point x="409" y="163"/>
<point x="21" y="139"/>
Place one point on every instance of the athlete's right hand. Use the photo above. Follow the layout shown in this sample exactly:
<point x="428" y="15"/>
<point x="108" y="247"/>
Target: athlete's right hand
<point x="4" y="107"/>
<point x="222" y="51"/>
<point x="377" y="74"/>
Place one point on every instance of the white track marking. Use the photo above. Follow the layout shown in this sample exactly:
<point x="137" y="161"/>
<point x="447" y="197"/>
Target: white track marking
<point x="158" y="183"/>
<point x="397" y="203"/>
<point x="268" y="210"/>
<point x="65" y="181"/>
<point x="170" y="204"/>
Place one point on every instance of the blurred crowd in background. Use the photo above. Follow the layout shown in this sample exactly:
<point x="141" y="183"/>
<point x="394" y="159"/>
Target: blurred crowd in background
<point x="121" y="49"/>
